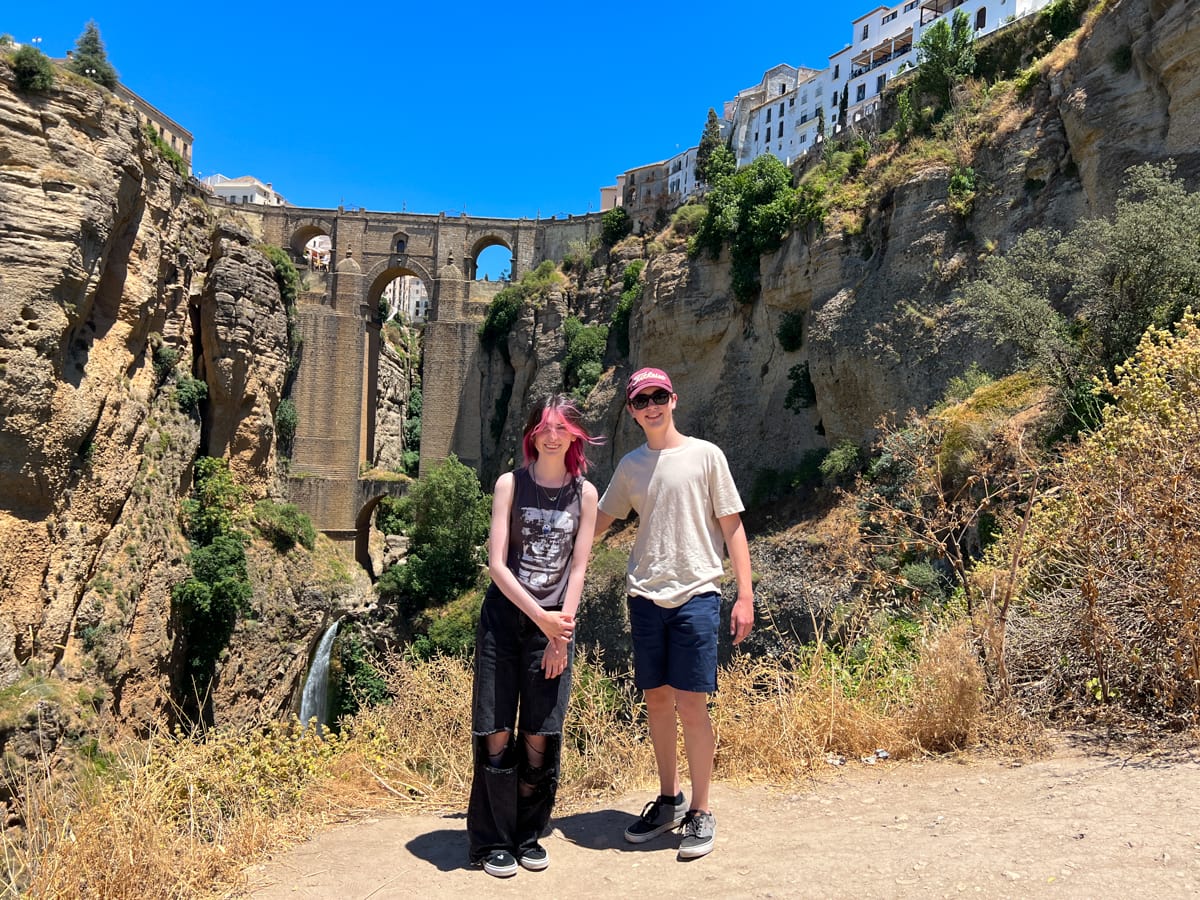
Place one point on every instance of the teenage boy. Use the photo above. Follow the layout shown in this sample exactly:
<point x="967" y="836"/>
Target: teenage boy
<point x="688" y="510"/>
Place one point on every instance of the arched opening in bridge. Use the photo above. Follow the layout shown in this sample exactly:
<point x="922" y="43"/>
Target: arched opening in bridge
<point x="404" y="298"/>
<point x="400" y="293"/>
<point x="307" y="238"/>
<point x="317" y="253"/>
<point x="492" y="261"/>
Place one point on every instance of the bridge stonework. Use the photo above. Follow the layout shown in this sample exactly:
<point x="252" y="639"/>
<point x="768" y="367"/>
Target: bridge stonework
<point x="334" y="386"/>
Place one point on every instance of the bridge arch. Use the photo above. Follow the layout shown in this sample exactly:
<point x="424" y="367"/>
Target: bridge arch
<point x="486" y="242"/>
<point x="305" y="230"/>
<point x="370" y="494"/>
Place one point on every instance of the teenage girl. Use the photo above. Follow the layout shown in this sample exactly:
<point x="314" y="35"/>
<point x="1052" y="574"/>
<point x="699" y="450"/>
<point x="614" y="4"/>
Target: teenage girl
<point x="543" y="517"/>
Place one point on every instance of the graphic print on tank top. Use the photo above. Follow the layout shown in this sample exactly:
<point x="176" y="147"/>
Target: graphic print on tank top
<point x="546" y="536"/>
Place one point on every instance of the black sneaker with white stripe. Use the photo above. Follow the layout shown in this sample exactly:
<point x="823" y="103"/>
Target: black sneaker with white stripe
<point x="659" y="815"/>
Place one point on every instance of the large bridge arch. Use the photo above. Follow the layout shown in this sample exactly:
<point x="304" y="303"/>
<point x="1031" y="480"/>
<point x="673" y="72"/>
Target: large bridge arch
<point x="337" y="319"/>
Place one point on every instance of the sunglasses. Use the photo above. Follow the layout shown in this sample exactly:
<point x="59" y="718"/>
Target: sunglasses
<point x="658" y="398"/>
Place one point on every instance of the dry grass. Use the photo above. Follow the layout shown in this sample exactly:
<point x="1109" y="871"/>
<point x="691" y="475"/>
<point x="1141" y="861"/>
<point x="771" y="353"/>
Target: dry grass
<point x="179" y="816"/>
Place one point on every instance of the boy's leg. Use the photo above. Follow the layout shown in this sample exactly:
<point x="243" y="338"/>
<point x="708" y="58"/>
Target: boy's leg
<point x="660" y="716"/>
<point x="699" y="743"/>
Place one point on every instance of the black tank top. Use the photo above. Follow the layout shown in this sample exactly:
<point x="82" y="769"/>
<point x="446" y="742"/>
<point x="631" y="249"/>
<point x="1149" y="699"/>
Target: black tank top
<point x="542" y="525"/>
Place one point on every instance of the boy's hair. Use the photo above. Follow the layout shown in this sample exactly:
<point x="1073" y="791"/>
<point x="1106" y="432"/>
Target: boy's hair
<point x="558" y="408"/>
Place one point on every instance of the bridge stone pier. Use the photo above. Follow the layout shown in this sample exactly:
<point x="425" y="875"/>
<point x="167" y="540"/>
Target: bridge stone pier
<point x="337" y="320"/>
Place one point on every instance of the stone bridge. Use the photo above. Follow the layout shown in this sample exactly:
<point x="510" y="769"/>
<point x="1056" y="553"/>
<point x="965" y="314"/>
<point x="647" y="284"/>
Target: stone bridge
<point x="334" y="387"/>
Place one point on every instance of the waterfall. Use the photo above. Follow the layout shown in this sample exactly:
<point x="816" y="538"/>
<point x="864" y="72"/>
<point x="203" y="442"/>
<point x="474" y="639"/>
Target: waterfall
<point x="315" y="699"/>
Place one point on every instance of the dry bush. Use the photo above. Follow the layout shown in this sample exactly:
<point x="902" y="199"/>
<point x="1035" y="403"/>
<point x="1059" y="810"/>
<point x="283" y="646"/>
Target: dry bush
<point x="948" y="700"/>
<point x="1113" y="586"/>
<point x="169" y="817"/>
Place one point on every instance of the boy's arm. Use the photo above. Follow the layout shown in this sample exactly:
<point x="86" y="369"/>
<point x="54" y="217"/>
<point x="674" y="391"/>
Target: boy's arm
<point x="603" y="520"/>
<point x="741" y="620"/>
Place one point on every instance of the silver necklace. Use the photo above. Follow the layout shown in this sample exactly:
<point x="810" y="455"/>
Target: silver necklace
<point x="552" y="500"/>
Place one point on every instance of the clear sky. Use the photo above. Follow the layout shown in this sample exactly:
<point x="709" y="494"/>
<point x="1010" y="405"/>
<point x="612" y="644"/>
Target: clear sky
<point x="520" y="109"/>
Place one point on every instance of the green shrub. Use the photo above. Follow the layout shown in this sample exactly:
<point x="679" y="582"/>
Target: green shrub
<point x="502" y="312"/>
<point x="752" y="210"/>
<point x="615" y="225"/>
<point x="284" y="525"/>
<point x="961" y="190"/>
<point x="791" y="331"/>
<point x="451" y="632"/>
<point x="585" y="351"/>
<point x="190" y="393"/>
<point x="32" y="70"/>
<point x="166" y="358"/>
<point x="963" y="386"/>
<point x="286" y="420"/>
<point x="631" y="291"/>
<point x="686" y="220"/>
<point x="356" y="680"/>
<point x="802" y="394"/>
<point x="775" y="484"/>
<point x="842" y="463"/>
<point x="446" y="517"/>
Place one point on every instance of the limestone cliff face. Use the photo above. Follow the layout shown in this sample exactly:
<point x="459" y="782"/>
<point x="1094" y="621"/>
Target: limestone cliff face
<point x="397" y="375"/>
<point x="107" y="255"/>
<point x="880" y="333"/>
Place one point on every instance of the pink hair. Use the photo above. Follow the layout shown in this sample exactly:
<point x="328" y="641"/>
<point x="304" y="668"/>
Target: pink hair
<point x="558" y="409"/>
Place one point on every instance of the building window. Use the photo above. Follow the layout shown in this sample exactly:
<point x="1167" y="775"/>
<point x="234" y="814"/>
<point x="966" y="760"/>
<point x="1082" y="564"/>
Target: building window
<point x="837" y="68"/>
<point x="866" y="30"/>
<point x="781" y="109"/>
<point x="804" y="138"/>
<point x="981" y="18"/>
<point x="781" y="89"/>
<point x="888" y="17"/>
<point x="879" y="83"/>
<point x="768" y="114"/>
<point x="911" y="5"/>
<point x="791" y="102"/>
<point x="756" y="137"/>
<point x="860" y="93"/>
<point x="803" y="117"/>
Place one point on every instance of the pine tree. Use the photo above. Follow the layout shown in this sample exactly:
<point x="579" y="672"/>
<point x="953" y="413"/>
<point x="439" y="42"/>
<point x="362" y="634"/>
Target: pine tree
<point x="710" y="140"/>
<point x="90" y="60"/>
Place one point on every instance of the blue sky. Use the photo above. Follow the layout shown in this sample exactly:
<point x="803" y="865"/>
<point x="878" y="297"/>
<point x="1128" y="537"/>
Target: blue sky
<point x="492" y="109"/>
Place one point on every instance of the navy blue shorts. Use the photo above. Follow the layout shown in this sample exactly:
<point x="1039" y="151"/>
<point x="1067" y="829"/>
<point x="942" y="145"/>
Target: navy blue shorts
<point x="676" y="646"/>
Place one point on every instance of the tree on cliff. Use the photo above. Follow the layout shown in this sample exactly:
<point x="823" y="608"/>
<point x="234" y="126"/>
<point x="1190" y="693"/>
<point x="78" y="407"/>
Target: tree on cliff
<point x="945" y="56"/>
<point x="710" y="140"/>
<point x="446" y="516"/>
<point x="90" y="59"/>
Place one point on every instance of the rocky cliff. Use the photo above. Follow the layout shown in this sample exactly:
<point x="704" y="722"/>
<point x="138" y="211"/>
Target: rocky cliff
<point x="880" y="333"/>
<point x="120" y="293"/>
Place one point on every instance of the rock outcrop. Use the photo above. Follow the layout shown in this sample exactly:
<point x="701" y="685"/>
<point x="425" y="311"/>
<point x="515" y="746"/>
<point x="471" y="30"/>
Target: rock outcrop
<point x="117" y="292"/>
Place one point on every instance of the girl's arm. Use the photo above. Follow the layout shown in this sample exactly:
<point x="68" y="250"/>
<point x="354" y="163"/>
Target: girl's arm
<point x="553" y="624"/>
<point x="554" y="660"/>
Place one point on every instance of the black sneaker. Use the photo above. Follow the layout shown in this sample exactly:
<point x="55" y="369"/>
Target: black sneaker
<point x="536" y="858"/>
<point x="659" y="815"/>
<point x="500" y="863"/>
<point x="699" y="834"/>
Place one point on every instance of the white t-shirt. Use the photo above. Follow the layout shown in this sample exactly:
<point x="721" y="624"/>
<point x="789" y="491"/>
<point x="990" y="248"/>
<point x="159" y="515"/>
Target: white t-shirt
<point x="679" y="495"/>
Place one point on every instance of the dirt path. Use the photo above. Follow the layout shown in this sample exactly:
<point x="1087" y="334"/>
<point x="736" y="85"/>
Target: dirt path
<point x="1080" y="823"/>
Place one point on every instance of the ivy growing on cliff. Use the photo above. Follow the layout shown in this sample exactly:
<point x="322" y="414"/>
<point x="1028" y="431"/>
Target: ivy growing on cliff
<point x="631" y="290"/>
<point x="208" y="602"/>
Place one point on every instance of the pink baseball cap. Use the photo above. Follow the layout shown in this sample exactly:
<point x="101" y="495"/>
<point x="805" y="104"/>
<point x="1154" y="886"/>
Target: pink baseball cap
<point x="644" y="378"/>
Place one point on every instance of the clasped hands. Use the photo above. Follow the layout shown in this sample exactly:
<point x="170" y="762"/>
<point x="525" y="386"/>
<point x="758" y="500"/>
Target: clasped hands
<point x="558" y="627"/>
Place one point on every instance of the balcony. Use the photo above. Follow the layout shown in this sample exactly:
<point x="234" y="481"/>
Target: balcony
<point x="931" y="9"/>
<point x="883" y="52"/>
